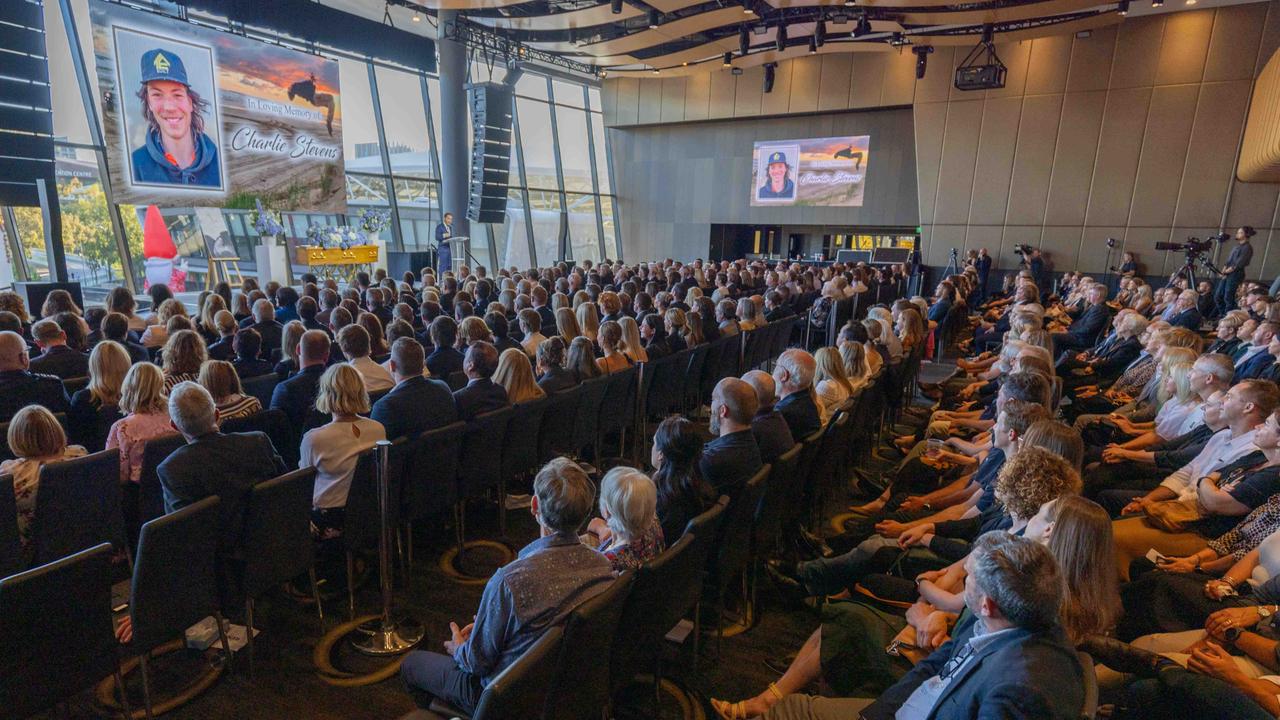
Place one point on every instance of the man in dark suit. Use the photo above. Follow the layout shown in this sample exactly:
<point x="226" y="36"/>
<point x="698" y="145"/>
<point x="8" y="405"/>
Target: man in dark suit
<point x="1186" y="313"/>
<point x="1258" y="357"/>
<point x="770" y="428"/>
<point x="541" y="304"/>
<point x="20" y="387"/>
<point x="775" y="308"/>
<point x="115" y="327"/>
<point x="213" y="463"/>
<point x="264" y="321"/>
<point x="654" y="335"/>
<point x="1104" y="363"/>
<point x="444" y="252"/>
<point x="1084" y="330"/>
<point x="481" y="394"/>
<point x="730" y="460"/>
<point x="56" y="357"/>
<point x="297" y="395"/>
<point x="416" y="404"/>
<point x="444" y="360"/>
<point x="1010" y="658"/>
<point x="794" y="375"/>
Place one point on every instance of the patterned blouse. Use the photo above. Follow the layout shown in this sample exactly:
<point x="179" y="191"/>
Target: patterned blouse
<point x="631" y="555"/>
<point x="131" y="434"/>
<point x="1136" y="376"/>
<point x="172" y="381"/>
<point x="1251" y="531"/>
<point x="26" y="477"/>
<point x="242" y="406"/>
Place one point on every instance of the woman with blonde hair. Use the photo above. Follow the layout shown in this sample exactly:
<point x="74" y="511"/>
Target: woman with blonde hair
<point x="515" y="374"/>
<point x="143" y="401"/>
<point x="632" y="345"/>
<point x="222" y="381"/>
<point x="208" y="325"/>
<point x="183" y="355"/>
<point x="589" y="321"/>
<point x="290" y="363"/>
<point x="693" y="335"/>
<point x="910" y="329"/>
<point x="335" y="448"/>
<point x="674" y="323"/>
<point x="831" y="384"/>
<point x="95" y="408"/>
<point x="36" y="439"/>
<point x="567" y="325"/>
<point x="560" y="301"/>
<point x="614" y="359"/>
<point x="156" y="334"/>
<point x="581" y="360"/>
<point x="854" y="357"/>
<point x="472" y="330"/>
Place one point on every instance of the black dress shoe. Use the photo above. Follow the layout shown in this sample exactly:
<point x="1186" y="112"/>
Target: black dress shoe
<point x="815" y="543"/>
<point x="783" y="576"/>
<point x="1125" y="658"/>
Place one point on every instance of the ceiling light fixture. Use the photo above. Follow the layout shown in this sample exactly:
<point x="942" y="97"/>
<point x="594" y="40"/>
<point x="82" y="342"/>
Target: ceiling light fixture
<point x="744" y="41"/>
<point x="746" y="8"/>
<point x="1157" y="3"/>
<point x="728" y="59"/>
<point x="780" y="38"/>
<point x="655" y="71"/>
<point x="813" y="45"/>
<point x="820" y="32"/>
<point x="849" y="3"/>
<point x="1123" y="7"/>
<point x="922" y="59"/>
<point x="417" y="17"/>
<point x="653" y="19"/>
<point x="898" y="40"/>
<point x="615" y="7"/>
<point x="769" y="70"/>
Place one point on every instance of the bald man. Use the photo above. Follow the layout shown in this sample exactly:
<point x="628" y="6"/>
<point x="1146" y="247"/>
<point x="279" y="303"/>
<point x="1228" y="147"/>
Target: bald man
<point x="730" y="460"/>
<point x="773" y="436"/>
<point x="19" y="387"/>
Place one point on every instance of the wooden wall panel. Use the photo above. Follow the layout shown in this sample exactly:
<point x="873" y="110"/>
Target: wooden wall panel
<point x="959" y="156"/>
<point x="750" y="88"/>
<point x="650" y="110"/>
<point x="1137" y="52"/>
<point x="697" y="95"/>
<point x="805" y="74"/>
<point x="833" y="84"/>
<point x="1033" y="159"/>
<point x="866" y="81"/>
<point x="1164" y="152"/>
<point x="628" y="102"/>
<point x="1000" y="119"/>
<point x="899" y="79"/>
<point x="777" y="102"/>
<point x="1049" y="62"/>
<point x="1116" y="168"/>
<point x="1016" y="57"/>
<point x="1233" y="49"/>
<point x="930" y="125"/>
<point x="1063" y="245"/>
<point x="1091" y="59"/>
<point x="1184" y="47"/>
<point x="939" y="76"/>
<point x="673" y="90"/>
<point x="945" y="237"/>
<point x="1073" y="158"/>
<point x="1219" y="120"/>
<point x="723" y="89"/>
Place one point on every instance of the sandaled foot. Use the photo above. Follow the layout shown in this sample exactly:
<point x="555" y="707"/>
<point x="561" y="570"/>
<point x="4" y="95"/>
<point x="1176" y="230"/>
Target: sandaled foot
<point x="746" y="709"/>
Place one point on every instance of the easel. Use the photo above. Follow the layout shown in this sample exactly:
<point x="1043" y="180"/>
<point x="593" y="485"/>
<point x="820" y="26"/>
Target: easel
<point x="221" y="269"/>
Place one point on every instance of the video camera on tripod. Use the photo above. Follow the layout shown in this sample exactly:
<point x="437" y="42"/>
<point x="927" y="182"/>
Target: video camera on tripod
<point x="1195" y="250"/>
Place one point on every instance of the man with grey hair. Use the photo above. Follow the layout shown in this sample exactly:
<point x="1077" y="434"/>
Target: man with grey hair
<point x="1008" y="658"/>
<point x="264" y="321"/>
<point x="794" y="374"/>
<point x="548" y="579"/>
<point x="770" y="428"/>
<point x="213" y="463"/>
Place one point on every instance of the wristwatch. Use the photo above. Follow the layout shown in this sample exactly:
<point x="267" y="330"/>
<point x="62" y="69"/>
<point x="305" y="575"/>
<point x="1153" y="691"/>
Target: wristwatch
<point x="1232" y="634"/>
<point x="1266" y="611"/>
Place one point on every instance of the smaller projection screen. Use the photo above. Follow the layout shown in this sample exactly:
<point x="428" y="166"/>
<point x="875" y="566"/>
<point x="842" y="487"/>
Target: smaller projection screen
<point x="817" y="172"/>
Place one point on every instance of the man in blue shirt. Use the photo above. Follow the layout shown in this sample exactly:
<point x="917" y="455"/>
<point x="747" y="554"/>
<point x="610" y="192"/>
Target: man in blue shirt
<point x="176" y="150"/>
<point x="548" y="579"/>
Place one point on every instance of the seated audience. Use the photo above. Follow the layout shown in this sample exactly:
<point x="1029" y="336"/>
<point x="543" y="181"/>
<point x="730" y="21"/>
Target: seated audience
<point x="36" y="439"/>
<point x="773" y="436"/>
<point x="481" y="394"/>
<point x="183" y="355"/>
<point x="296" y="396"/>
<point x="223" y="348"/>
<point x="56" y="357"/>
<point x="19" y="386"/>
<point x="794" y="373"/>
<point x="335" y="449"/>
<point x="531" y="330"/>
<point x="627" y="531"/>
<point x="354" y="341"/>
<point x="548" y="579"/>
<point x="515" y="374"/>
<point x="222" y="381"/>
<point x="615" y="358"/>
<point x="248" y="355"/>
<point x="832" y="385"/>
<point x="213" y="463"/>
<point x="732" y="457"/>
<point x="264" y="322"/>
<point x="288" y="364"/>
<point x="444" y="359"/>
<point x="581" y="360"/>
<point x="96" y="407"/>
<point x="552" y="375"/>
<point x="682" y="493"/>
<point x="416" y="403"/>
<point x="146" y="417"/>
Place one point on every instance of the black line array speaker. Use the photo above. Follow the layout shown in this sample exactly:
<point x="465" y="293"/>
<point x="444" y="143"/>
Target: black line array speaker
<point x="26" y="120"/>
<point x="490" y="151"/>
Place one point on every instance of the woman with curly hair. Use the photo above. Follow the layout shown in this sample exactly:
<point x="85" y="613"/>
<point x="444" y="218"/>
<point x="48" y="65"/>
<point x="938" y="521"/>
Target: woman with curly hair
<point x="183" y="355"/>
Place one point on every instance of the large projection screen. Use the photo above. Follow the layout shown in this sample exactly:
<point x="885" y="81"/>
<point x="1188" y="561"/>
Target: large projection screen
<point x="814" y="172"/>
<point x="197" y="117"/>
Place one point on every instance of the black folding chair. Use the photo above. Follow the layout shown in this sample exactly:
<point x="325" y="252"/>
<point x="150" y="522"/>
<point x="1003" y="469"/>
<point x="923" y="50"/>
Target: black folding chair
<point x="78" y="506"/>
<point x="520" y="450"/>
<point x="261" y="387"/>
<point x="430" y="484"/>
<point x="57" y="638"/>
<point x="695" y="360"/>
<point x="733" y="548"/>
<point x="555" y="437"/>
<point x="705" y="530"/>
<point x="174" y="581"/>
<point x="520" y="691"/>
<point x="617" y="409"/>
<point x="581" y="686"/>
<point x="10" y="540"/>
<point x="586" y="424"/>
<point x="480" y="466"/>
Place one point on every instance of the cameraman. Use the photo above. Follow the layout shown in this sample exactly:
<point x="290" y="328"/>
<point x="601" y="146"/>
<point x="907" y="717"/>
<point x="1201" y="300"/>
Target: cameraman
<point x="1233" y="272"/>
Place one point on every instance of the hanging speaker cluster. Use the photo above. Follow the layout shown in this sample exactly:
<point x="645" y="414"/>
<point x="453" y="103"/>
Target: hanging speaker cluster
<point x="490" y="151"/>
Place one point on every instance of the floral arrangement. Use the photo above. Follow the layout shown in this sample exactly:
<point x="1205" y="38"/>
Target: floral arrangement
<point x="374" y="220"/>
<point x="265" y="222"/>
<point x="340" y="236"/>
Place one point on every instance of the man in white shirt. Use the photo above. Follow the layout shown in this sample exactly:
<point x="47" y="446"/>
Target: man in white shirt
<point x="354" y="342"/>
<point x="1245" y="406"/>
<point x="531" y="328"/>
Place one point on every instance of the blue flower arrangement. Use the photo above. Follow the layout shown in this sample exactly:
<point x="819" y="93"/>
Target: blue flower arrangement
<point x="339" y="236"/>
<point x="265" y="222"/>
<point x="374" y="220"/>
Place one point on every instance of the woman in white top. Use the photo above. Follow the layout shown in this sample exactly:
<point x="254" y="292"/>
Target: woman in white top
<point x="830" y="382"/>
<point x="335" y="448"/>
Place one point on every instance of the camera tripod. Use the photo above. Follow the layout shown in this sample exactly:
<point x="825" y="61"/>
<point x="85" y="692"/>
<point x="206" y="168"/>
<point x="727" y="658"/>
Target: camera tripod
<point x="1188" y="270"/>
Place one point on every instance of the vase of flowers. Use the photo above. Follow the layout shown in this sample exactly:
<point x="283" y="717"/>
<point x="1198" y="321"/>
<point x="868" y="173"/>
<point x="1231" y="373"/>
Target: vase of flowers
<point x="267" y="224"/>
<point x="372" y="222"/>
